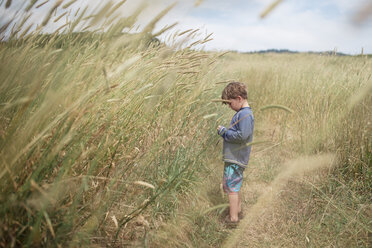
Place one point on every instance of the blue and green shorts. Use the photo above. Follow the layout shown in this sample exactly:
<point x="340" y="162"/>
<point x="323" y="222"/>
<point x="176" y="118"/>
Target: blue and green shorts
<point x="232" y="178"/>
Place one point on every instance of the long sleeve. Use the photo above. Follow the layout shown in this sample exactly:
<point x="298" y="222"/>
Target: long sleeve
<point x="239" y="134"/>
<point x="236" y="136"/>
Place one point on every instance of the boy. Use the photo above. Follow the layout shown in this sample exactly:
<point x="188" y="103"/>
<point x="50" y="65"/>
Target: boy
<point x="235" y="150"/>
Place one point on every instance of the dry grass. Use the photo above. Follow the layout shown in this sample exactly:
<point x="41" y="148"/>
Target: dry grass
<point x="108" y="139"/>
<point x="290" y="213"/>
<point x="89" y="119"/>
<point x="265" y="202"/>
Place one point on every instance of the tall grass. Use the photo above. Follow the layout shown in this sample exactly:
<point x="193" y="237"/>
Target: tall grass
<point x="87" y="116"/>
<point x="331" y="101"/>
<point x="328" y="114"/>
<point x="108" y="138"/>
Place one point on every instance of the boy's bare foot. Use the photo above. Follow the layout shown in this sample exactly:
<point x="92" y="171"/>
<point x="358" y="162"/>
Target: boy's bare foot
<point x="227" y="211"/>
<point x="229" y="223"/>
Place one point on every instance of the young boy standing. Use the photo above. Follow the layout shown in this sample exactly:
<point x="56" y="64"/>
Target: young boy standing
<point x="235" y="149"/>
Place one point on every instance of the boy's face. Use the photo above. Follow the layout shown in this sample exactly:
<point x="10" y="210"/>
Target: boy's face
<point x="236" y="104"/>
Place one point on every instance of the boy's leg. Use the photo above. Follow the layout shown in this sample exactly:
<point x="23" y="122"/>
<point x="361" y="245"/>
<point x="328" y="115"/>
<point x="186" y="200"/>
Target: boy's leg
<point x="233" y="175"/>
<point x="234" y="206"/>
<point x="239" y="202"/>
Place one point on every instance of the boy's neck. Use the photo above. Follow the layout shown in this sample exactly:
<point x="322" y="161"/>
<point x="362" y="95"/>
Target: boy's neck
<point x="245" y="104"/>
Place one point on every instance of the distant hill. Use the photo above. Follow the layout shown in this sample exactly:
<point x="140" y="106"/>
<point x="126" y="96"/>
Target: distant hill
<point x="290" y="51"/>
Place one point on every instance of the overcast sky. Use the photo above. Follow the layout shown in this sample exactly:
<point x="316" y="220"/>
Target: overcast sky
<point x="302" y="25"/>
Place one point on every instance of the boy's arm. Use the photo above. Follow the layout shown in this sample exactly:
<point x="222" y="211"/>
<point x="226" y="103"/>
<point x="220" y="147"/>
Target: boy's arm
<point x="244" y="130"/>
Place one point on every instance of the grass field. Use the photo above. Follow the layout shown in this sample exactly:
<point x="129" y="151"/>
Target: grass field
<point x="109" y="140"/>
<point x="308" y="183"/>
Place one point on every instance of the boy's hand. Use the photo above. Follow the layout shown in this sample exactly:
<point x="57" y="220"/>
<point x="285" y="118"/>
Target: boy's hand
<point x="220" y="129"/>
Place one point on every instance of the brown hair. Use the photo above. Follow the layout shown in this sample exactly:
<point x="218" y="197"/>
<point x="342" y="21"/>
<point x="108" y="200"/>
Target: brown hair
<point x="233" y="90"/>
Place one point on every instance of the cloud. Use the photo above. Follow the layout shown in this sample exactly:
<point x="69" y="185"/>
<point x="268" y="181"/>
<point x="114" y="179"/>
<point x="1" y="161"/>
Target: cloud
<point x="296" y="25"/>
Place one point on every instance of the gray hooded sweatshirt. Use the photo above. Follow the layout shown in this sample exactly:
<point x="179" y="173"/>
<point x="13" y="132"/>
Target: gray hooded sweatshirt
<point x="236" y="137"/>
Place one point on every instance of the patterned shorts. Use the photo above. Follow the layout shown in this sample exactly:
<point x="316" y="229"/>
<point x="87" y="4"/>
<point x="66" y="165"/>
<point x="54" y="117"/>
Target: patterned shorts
<point x="232" y="178"/>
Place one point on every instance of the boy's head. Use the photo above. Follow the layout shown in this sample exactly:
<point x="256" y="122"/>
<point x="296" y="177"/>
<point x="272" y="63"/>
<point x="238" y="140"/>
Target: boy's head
<point x="234" y="90"/>
<point x="235" y="94"/>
